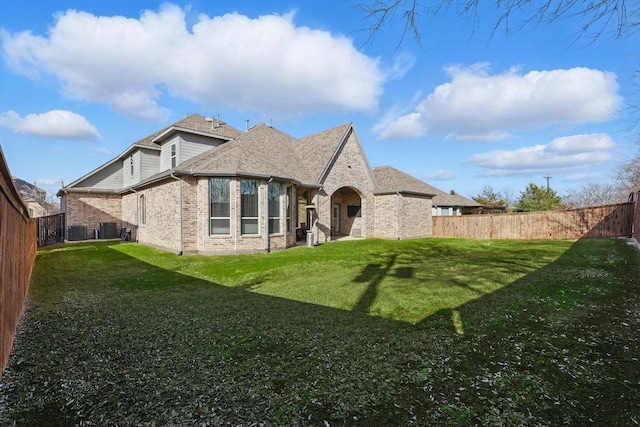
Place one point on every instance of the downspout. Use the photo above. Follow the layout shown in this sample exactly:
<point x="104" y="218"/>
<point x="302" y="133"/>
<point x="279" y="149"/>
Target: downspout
<point x="399" y="215"/>
<point x="181" y="216"/>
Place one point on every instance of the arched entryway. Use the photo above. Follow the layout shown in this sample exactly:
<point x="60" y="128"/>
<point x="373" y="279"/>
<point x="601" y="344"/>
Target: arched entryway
<point x="346" y="213"/>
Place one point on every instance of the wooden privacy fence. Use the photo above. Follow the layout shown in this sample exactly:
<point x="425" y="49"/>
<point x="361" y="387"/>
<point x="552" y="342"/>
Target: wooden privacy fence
<point x="600" y="221"/>
<point x="17" y="252"/>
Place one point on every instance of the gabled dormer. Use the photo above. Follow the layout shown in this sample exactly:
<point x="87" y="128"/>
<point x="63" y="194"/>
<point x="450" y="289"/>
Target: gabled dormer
<point x="179" y="143"/>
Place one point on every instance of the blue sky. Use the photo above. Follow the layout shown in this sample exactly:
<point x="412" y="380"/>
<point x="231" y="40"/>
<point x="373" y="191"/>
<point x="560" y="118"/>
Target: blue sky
<point x="80" y="81"/>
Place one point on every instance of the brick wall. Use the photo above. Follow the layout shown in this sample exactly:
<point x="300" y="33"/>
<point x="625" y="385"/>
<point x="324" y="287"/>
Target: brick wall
<point x="129" y="214"/>
<point x="162" y="226"/>
<point x="386" y="216"/>
<point x="415" y="220"/>
<point x="402" y="216"/>
<point x="90" y="209"/>
<point x="351" y="170"/>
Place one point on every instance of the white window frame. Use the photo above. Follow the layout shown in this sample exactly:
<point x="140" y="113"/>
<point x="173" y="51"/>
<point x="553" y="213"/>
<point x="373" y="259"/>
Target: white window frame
<point x="289" y="207"/>
<point x="213" y="218"/>
<point x="143" y="210"/>
<point x="249" y="225"/>
<point x="173" y="155"/>
<point x="274" y="217"/>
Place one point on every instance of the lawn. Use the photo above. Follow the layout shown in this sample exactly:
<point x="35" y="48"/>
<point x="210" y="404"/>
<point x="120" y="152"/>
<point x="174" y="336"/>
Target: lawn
<point x="369" y="333"/>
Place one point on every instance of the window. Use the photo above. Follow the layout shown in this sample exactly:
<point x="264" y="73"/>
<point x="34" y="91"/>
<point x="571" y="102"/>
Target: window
<point x="444" y="211"/>
<point x="249" y="207"/>
<point x="143" y="210"/>
<point x="219" y="206"/>
<point x="353" y="211"/>
<point x="131" y="164"/>
<point x="289" y="208"/>
<point x="274" y="207"/>
<point x="174" y="156"/>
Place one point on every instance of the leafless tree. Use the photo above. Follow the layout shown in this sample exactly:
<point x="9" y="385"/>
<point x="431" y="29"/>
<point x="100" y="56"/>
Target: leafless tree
<point x="593" y="194"/>
<point x="597" y="15"/>
<point x="628" y="176"/>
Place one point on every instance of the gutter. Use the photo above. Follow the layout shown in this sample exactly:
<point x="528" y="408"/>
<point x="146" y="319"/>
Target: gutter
<point x="181" y="215"/>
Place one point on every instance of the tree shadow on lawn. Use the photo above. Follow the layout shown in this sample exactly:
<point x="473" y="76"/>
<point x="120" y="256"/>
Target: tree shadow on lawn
<point x="190" y="351"/>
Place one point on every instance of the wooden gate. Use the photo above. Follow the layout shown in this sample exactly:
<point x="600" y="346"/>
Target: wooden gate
<point x="50" y="230"/>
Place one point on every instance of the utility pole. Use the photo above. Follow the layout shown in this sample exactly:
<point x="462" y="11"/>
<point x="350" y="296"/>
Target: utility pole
<point x="547" y="178"/>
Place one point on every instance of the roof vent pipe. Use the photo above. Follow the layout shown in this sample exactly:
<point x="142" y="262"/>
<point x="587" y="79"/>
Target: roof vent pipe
<point x="246" y="125"/>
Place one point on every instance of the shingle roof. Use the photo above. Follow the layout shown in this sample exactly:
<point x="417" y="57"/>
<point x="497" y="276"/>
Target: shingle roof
<point x="194" y="122"/>
<point x="262" y="150"/>
<point x="317" y="150"/>
<point x="446" y="199"/>
<point x="391" y="180"/>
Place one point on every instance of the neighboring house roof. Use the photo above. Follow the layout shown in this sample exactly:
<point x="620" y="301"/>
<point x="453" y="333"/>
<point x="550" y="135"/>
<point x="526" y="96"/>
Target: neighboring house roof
<point x="446" y="199"/>
<point x="391" y="180"/>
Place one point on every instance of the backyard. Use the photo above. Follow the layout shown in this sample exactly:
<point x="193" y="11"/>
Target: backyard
<point x="372" y="332"/>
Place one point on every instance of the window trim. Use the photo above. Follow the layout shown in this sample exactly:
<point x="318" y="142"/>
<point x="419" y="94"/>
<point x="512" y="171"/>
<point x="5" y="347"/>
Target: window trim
<point x="173" y="155"/>
<point x="244" y="220"/>
<point x="143" y="210"/>
<point x="289" y="213"/>
<point x="211" y="217"/>
<point x="272" y="218"/>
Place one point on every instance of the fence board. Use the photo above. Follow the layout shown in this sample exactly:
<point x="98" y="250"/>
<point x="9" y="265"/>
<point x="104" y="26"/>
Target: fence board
<point x="601" y="221"/>
<point x="18" y="235"/>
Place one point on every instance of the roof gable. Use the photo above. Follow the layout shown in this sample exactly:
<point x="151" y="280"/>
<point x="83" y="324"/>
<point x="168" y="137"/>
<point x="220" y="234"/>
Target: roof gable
<point x="318" y="150"/>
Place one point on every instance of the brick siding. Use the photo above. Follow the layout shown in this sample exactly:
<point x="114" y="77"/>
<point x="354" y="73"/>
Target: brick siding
<point x="350" y="170"/>
<point x="90" y="209"/>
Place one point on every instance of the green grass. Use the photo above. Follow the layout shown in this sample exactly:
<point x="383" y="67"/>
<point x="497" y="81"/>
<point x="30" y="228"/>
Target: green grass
<point x="372" y="332"/>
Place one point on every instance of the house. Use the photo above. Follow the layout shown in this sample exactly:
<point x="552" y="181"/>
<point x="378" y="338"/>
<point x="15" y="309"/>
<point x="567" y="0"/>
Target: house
<point x="32" y="196"/>
<point x="445" y="204"/>
<point x="201" y="186"/>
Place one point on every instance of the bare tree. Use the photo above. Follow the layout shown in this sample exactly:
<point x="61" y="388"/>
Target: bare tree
<point x="597" y="15"/>
<point x="594" y="194"/>
<point x="628" y="176"/>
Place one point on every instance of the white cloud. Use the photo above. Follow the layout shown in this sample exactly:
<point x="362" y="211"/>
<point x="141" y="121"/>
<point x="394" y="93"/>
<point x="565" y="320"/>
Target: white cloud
<point x="58" y="124"/>
<point x="231" y="61"/>
<point x="573" y="152"/>
<point x="477" y="105"/>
